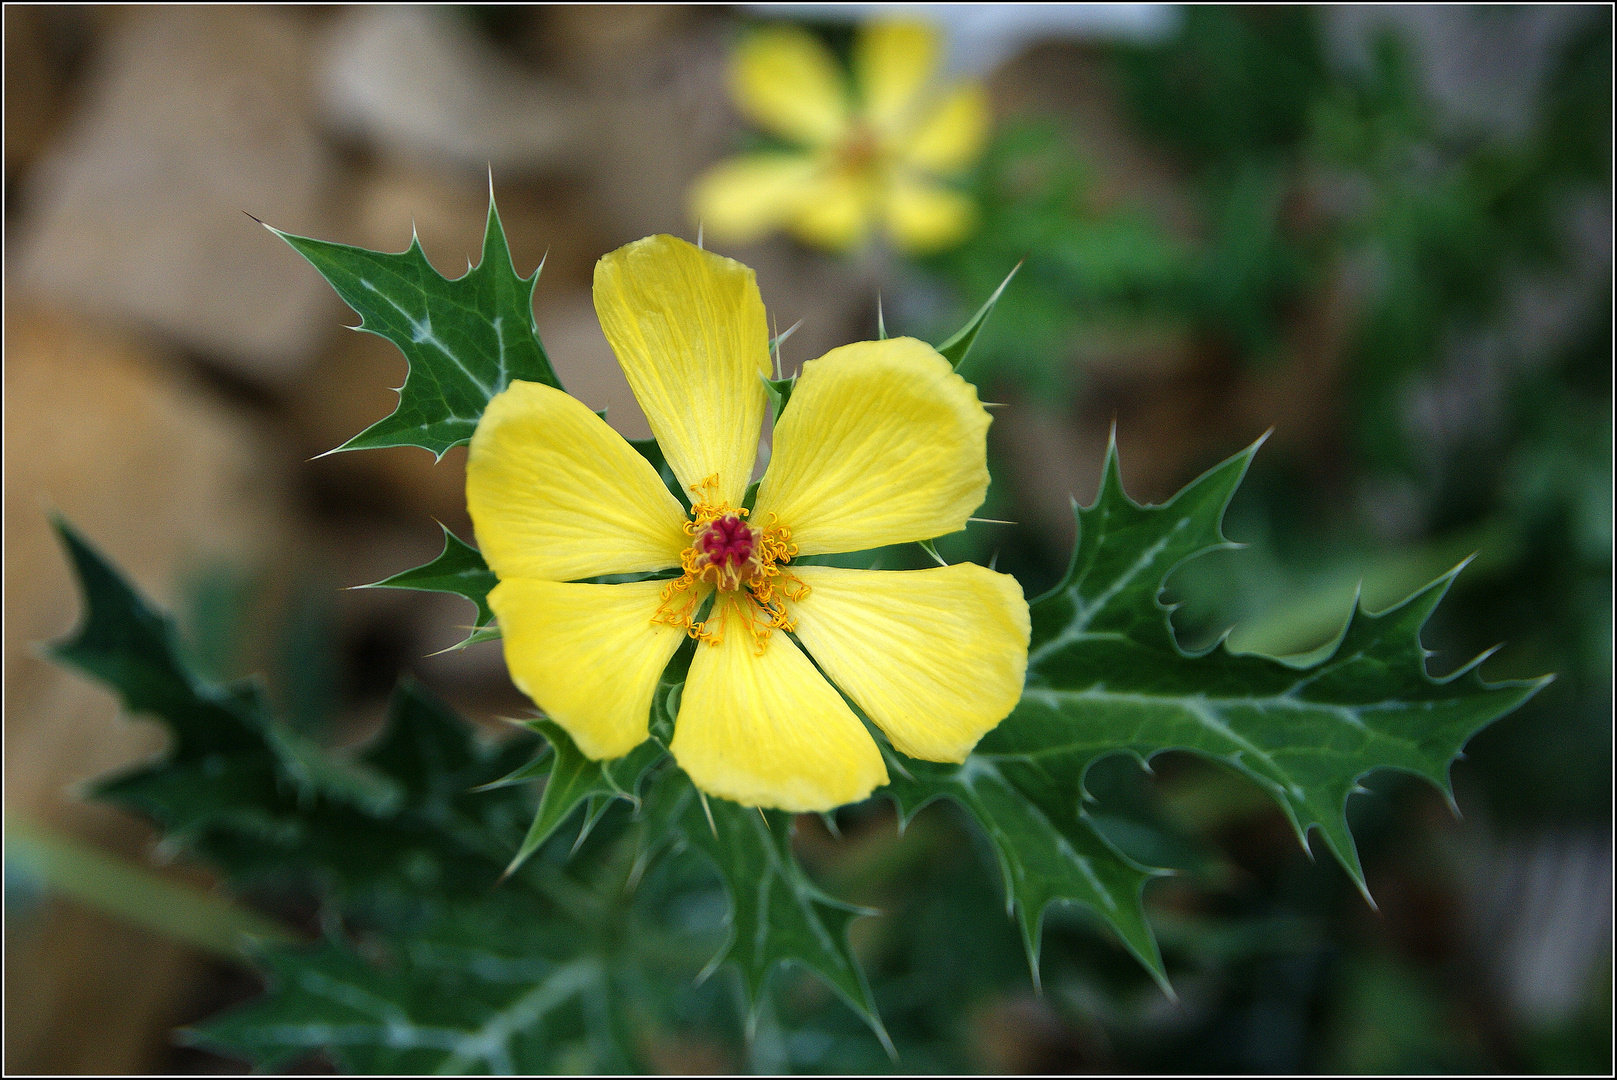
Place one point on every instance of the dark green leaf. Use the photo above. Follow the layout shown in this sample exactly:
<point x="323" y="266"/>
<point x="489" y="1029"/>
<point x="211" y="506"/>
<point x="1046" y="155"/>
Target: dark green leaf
<point x="1046" y="850"/>
<point x="405" y="1018"/>
<point x="955" y="349"/>
<point x="466" y="339"/>
<point x="574" y="779"/>
<point x="1105" y="674"/>
<point x="223" y="751"/>
<point x="776" y="912"/>
<point x="458" y="569"/>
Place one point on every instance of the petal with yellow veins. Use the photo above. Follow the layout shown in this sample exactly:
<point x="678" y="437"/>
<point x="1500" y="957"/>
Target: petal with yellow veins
<point x="745" y="198"/>
<point x="555" y="494"/>
<point x="787" y="83"/>
<point x="882" y="443"/>
<point x="588" y="655"/>
<point x="936" y="658"/>
<point x="768" y="730"/>
<point x="952" y="134"/>
<point x="688" y="329"/>
<point x="893" y="62"/>
<point x="924" y="216"/>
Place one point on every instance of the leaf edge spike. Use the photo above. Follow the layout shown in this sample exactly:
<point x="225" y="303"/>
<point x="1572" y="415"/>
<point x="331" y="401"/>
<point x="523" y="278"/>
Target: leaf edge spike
<point x="424" y="416"/>
<point x="957" y="346"/>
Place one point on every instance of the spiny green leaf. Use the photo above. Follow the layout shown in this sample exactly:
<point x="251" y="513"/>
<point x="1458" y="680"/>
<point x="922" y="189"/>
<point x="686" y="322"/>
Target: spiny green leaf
<point x="458" y="569"/>
<point x="955" y="349"/>
<point x="476" y="637"/>
<point x="258" y="799"/>
<point x="223" y="749"/>
<point x="776" y="912"/>
<point x="465" y="338"/>
<point x="1046" y="850"/>
<point x="472" y="976"/>
<point x="1105" y="674"/>
<point x="406" y="1018"/>
<point x="574" y="779"/>
<point x="134" y="650"/>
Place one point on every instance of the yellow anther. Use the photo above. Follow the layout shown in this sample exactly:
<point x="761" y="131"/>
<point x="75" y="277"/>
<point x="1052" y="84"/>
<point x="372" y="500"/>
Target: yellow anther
<point x="761" y="580"/>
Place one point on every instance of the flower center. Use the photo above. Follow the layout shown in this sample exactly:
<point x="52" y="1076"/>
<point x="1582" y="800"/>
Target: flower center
<point x="727" y="546"/>
<point x="859" y="151"/>
<point x="735" y="558"/>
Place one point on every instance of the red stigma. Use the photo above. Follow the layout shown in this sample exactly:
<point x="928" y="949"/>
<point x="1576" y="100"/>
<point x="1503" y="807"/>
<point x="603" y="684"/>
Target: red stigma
<point x="727" y="542"/>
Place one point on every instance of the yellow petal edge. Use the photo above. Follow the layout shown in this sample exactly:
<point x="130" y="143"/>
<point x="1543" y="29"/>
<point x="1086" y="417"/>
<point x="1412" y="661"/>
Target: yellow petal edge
<point x="688" y="328"/>
<point x="588" y="655"/>
<point x="555" y="494"/>
<point x="769" y="730"/>
<point x="881" y="443"/>
<point x="936" y="658"/>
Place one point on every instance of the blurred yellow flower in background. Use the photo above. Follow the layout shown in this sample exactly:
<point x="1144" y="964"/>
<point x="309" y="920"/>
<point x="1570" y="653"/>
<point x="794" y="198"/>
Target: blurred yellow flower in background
<point x="876" y="156"/>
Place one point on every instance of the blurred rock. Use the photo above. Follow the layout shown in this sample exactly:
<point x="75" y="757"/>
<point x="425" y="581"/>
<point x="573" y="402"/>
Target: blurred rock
<point x="73" y="971"/>
<point x="165" y="481"/>
<point x="43" y="45"/>
<point x="659" y="113"/>
<point x="190" y="116"/>
<point x="1539" y="917"/>
<point x="419" y="81"/>
<point x="1074" y="88"/>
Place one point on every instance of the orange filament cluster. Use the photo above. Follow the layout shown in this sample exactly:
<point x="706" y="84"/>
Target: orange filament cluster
<point x="734" y="557"/>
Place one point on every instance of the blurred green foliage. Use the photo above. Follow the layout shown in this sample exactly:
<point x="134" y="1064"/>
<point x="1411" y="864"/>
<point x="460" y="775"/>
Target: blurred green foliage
<point x="1471" y="415"/>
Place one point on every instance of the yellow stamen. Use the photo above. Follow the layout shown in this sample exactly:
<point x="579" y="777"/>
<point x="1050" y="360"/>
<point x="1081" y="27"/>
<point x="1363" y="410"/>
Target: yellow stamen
<point x="759" y="576"/>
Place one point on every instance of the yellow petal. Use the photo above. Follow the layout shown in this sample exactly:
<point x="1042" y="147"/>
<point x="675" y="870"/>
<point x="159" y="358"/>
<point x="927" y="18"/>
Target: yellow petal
<point x="745" y="198"/>
<point x="953" y="134"/>
<point x="555" y="494"/>
<point x="893" y="62"/>
<point x="769" y="730"/>
<point x="923" y="216"/>
<point x="588" y="655"/>
<point x="835" y="213"/>
<point x="934" y="657"/>
<point x="786" y="82"/>
<point x="882" y="443"/>
<point x="688" y="328"/>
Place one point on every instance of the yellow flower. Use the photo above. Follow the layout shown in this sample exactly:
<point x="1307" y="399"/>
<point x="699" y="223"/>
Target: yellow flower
<point x="878" y="157"/>
<point x="881" y="443"/>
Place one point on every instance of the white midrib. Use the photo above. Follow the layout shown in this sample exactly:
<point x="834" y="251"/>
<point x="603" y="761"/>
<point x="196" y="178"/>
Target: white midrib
<point x="421" y="333"/>
<point x="489" y="1042"/>
<point x="1204" y="710"/>
<point x="1077" y="629"/>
